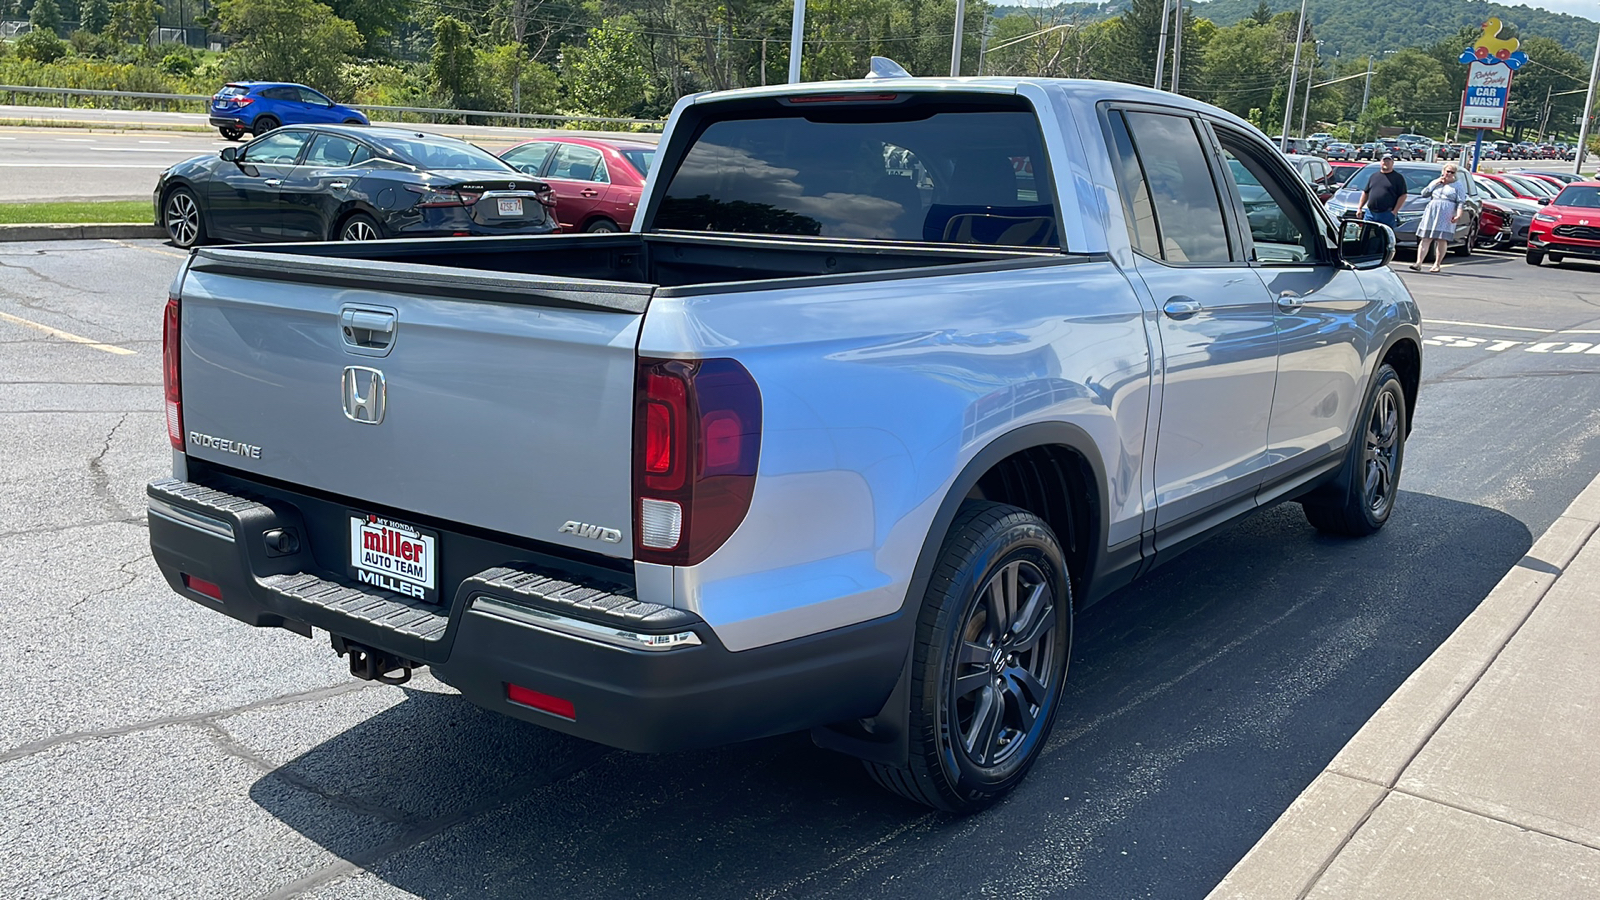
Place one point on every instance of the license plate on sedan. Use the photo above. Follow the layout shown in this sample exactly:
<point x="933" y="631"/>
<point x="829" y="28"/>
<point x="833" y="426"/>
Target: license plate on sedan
<point x="510" y="206"/>
<point x="394" y="556"/>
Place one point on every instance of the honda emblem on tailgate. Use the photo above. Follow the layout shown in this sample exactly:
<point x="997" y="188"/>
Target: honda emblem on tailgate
<point x="364" y="395"/>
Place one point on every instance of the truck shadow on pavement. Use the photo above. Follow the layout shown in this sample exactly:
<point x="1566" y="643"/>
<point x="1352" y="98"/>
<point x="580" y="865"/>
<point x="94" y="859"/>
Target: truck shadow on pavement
<point x="1200" y="703"/>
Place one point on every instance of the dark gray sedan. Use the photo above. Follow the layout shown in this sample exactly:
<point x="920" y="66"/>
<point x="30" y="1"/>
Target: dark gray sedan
<point x="1418" y="176"/>
<point x="335" y="182"/>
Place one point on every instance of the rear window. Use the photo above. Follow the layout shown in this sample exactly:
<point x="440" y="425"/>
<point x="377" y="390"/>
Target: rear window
<point x="641" y="159"/>
<point x="970" y="176"/>
<point x="233" y="90"/>
<point x="445" y="155"/>
<point x="1584" y="196"/>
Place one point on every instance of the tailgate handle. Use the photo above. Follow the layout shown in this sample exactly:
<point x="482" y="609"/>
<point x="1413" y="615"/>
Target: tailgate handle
<point x="368" y="329"/>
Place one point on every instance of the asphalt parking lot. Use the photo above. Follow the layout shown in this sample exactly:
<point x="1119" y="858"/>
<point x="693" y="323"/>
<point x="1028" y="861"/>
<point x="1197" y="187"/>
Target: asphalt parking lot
<point x="153" y="748"/>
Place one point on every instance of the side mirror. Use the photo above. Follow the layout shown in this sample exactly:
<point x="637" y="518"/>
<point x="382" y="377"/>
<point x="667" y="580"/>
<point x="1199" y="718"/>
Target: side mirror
<point x="230" y="154"/>
<point x="1365" y="245"/>
<point x="1543" y="201"/>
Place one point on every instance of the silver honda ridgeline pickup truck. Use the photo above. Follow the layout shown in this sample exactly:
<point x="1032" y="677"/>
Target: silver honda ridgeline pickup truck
<point x="890" y="379"/>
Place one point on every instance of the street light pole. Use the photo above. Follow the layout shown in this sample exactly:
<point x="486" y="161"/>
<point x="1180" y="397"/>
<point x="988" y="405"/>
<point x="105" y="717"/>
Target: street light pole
<point x="1367" y="91"/>
<point x="1588" y="110"/>
<point x="955" y="47"/>
<point x="1294" y="72"/>
<point x="796" y="40"/>
<point x="1311" y="70"/>
<point x="1161" y="49"/>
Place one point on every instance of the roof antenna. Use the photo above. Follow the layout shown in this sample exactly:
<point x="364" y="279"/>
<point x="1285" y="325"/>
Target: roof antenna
<point x="884" y="67"/>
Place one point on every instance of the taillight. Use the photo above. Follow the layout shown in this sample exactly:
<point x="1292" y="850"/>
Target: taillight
<point x="169" y="373"/>
<point x="435" y="197"/>
<point x="696" y="442"/>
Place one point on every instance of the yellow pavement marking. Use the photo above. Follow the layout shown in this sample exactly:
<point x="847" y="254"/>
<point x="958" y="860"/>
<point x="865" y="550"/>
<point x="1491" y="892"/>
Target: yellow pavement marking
<point x="145" y="249"/>
<point x="66" y="335"/>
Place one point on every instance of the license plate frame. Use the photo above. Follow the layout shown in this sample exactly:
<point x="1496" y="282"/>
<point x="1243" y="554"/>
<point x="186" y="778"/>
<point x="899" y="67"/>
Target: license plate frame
<point x="384" y="553"/>
<point x="508" y="206"/>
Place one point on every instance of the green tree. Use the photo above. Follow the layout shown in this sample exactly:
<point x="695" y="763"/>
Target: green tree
<point x="1262" y="14"/>
<point x="41" y="46"/>
<point x="607" y="75"/>
<point x="453" y="68"/>
<point x="94" y="15"/>
<point x="1379" y="114"/>
<point x="288" y="40"/>
<point x="133" y="20"/>
<point x="509" y="78"/>
<point x="45" y="16"/>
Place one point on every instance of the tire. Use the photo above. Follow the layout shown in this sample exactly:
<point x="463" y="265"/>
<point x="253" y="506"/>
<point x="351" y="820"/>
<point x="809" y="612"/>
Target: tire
<point x="1361" y="500"/>
<point x="602" y="226"/>
<point x="231" y="133"/>
<point x="1535" y="257"/>
<point x="983" y="701"/>
<point x="181" y="216"/>
<point x="263" y="124"/>
<point x="1556" y="258"/>
<point x="354" y="122"/>
<point x="360" y="227"/>
<point x="1466" y="246"/>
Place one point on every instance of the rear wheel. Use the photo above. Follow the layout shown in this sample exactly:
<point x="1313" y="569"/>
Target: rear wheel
<point x="231" y="132"/>
<point x="263" y="124"/>
<point x="360" y="227"/>
<point x="1535" y="257"/>
<point x="1466" y="246"/>
<point x="1361" y="500"/>
<point x="181" y="216"/>
<point x="354" y="122"/>
<point x="989" y="660"/>
<point x="602" y="226"/>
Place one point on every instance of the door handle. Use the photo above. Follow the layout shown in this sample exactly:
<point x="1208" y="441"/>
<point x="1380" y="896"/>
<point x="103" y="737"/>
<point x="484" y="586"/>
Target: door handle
<point x="339" y="185"/>
<point x="273" y="182"/>
<point x="1289" y="301"/>
<point x="589" y="192"/>
<point x="1181" y="307"/>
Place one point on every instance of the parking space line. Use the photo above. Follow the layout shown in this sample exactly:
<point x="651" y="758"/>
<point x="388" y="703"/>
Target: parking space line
<point x="67" y="335"/>
<point x="1497" y="327"/>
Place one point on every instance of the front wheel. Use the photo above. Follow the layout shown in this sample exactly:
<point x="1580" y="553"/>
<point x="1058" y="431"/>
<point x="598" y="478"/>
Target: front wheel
<point x="1361" y="500"/>
<point x="1535" y="257"/>
<point x="360" y="227"/>
<point x="181" y="216"/>
<point x="1556" y="258"/>
<point x="988" y="663"/>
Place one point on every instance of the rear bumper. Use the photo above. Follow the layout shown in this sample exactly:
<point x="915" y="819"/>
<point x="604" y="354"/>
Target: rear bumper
<point x="228" y="122"/>
<point x="639" y="676"/>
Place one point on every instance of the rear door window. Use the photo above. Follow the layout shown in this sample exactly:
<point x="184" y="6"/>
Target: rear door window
<point x="966" y="175"/>
<point x="1187" y="206"/>
<point x="579" y="163"/>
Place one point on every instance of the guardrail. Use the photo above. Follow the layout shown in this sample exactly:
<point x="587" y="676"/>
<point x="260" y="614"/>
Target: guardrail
<point x="459" y="116"/>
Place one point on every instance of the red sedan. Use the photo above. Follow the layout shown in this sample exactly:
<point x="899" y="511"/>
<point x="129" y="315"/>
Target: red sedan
<point x="1569" y="226"/>
<point x="597" y="182"/>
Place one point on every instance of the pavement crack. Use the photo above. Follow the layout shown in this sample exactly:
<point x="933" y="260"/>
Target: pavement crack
<point x="230" y="745"/>
<point x="34" y="747"/>
<point x="123" y="568"/>
<point x="102" y="482"/>
<point x="58" y="529"/>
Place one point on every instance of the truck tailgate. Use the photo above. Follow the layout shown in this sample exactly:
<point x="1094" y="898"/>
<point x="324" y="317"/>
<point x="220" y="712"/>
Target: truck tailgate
<point x="505" y="401"/>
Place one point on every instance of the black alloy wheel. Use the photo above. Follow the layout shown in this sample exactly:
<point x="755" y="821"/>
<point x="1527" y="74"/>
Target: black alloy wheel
<point x="360" y="227"/>
<point x="180" y="214"/>
<point x="263" y="124"/>
<point x="1362" y="499"/>
<point x="990" y="657"/>
<point x="231" y="132"/>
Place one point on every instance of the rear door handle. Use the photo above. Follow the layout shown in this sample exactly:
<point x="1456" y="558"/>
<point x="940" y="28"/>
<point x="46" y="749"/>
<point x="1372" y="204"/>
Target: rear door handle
<point x="273" y="182"/>
<point x="1181" y="307"/>
<point x="589" y="192"/>
<point x="1290" y="302"/>
<point x="339" y="185"/>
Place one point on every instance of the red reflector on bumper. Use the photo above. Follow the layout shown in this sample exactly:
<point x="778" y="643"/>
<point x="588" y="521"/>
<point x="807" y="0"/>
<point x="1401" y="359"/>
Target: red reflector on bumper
<point x="201" y="586"/>
<point x="544" y="702"/>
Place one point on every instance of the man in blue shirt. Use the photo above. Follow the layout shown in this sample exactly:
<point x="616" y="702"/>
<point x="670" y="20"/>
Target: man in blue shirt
<point x="1384" y="194"/>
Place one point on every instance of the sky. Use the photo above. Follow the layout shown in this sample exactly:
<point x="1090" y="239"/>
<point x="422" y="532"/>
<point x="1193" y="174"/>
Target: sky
<point x="1589" y="9"/>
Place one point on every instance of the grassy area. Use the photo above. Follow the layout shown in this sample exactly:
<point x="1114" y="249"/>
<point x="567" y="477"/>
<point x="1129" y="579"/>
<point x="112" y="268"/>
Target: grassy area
<point x="76" y="212"/>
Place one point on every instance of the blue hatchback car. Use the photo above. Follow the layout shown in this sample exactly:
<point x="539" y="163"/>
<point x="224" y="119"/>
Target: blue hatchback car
<point x="258" y="107"/>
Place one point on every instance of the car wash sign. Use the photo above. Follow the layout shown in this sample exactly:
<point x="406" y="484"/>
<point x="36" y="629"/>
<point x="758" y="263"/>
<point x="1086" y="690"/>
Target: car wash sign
<point x="1487" y="95"/>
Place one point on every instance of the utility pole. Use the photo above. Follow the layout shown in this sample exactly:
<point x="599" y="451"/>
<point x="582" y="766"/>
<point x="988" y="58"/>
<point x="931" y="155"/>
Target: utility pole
<point x="1161" y="51"/>
<point x="955" y="48"/>
<point x="796" y="40"/>
<point x="1311" y="71"/>
<point x="1544" y="119"/>
<point x="1588" y="111"/>
<point x="1177" y="42"/>
<point x="1294" y="72"/>
<point x="1367" y="91"/>
<point x="983" y="40"/>
<point x="763" y="61"/>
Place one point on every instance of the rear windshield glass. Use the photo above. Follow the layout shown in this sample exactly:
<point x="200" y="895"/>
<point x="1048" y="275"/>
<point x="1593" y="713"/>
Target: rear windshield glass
<point x="641" y="159"/>
<point x="1576" y="195"/>
<point x="444" y="155"/>
<point x="233" y="90"/>
<point x="963" y="176"/>
<point x="1417" y="177"/>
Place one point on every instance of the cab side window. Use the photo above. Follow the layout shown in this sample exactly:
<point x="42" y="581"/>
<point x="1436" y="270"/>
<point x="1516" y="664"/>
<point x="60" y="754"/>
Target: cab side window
<point x="1187" y="209"/>
<point x="1283" y="230"/>
<point x="280" y="148"/>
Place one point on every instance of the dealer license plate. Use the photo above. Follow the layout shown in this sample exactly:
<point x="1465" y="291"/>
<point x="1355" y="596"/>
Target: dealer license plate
<point x="394" y="556"/>
<point x="510" y="206"/>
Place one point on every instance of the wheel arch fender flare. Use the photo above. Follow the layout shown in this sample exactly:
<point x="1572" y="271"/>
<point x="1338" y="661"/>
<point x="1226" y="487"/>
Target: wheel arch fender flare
<point x="887" y="741"/>
<point x="1411" y="381"/>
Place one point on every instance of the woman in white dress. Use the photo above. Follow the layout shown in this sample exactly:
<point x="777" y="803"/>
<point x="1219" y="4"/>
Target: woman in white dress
<point x="1445" y="195"/>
